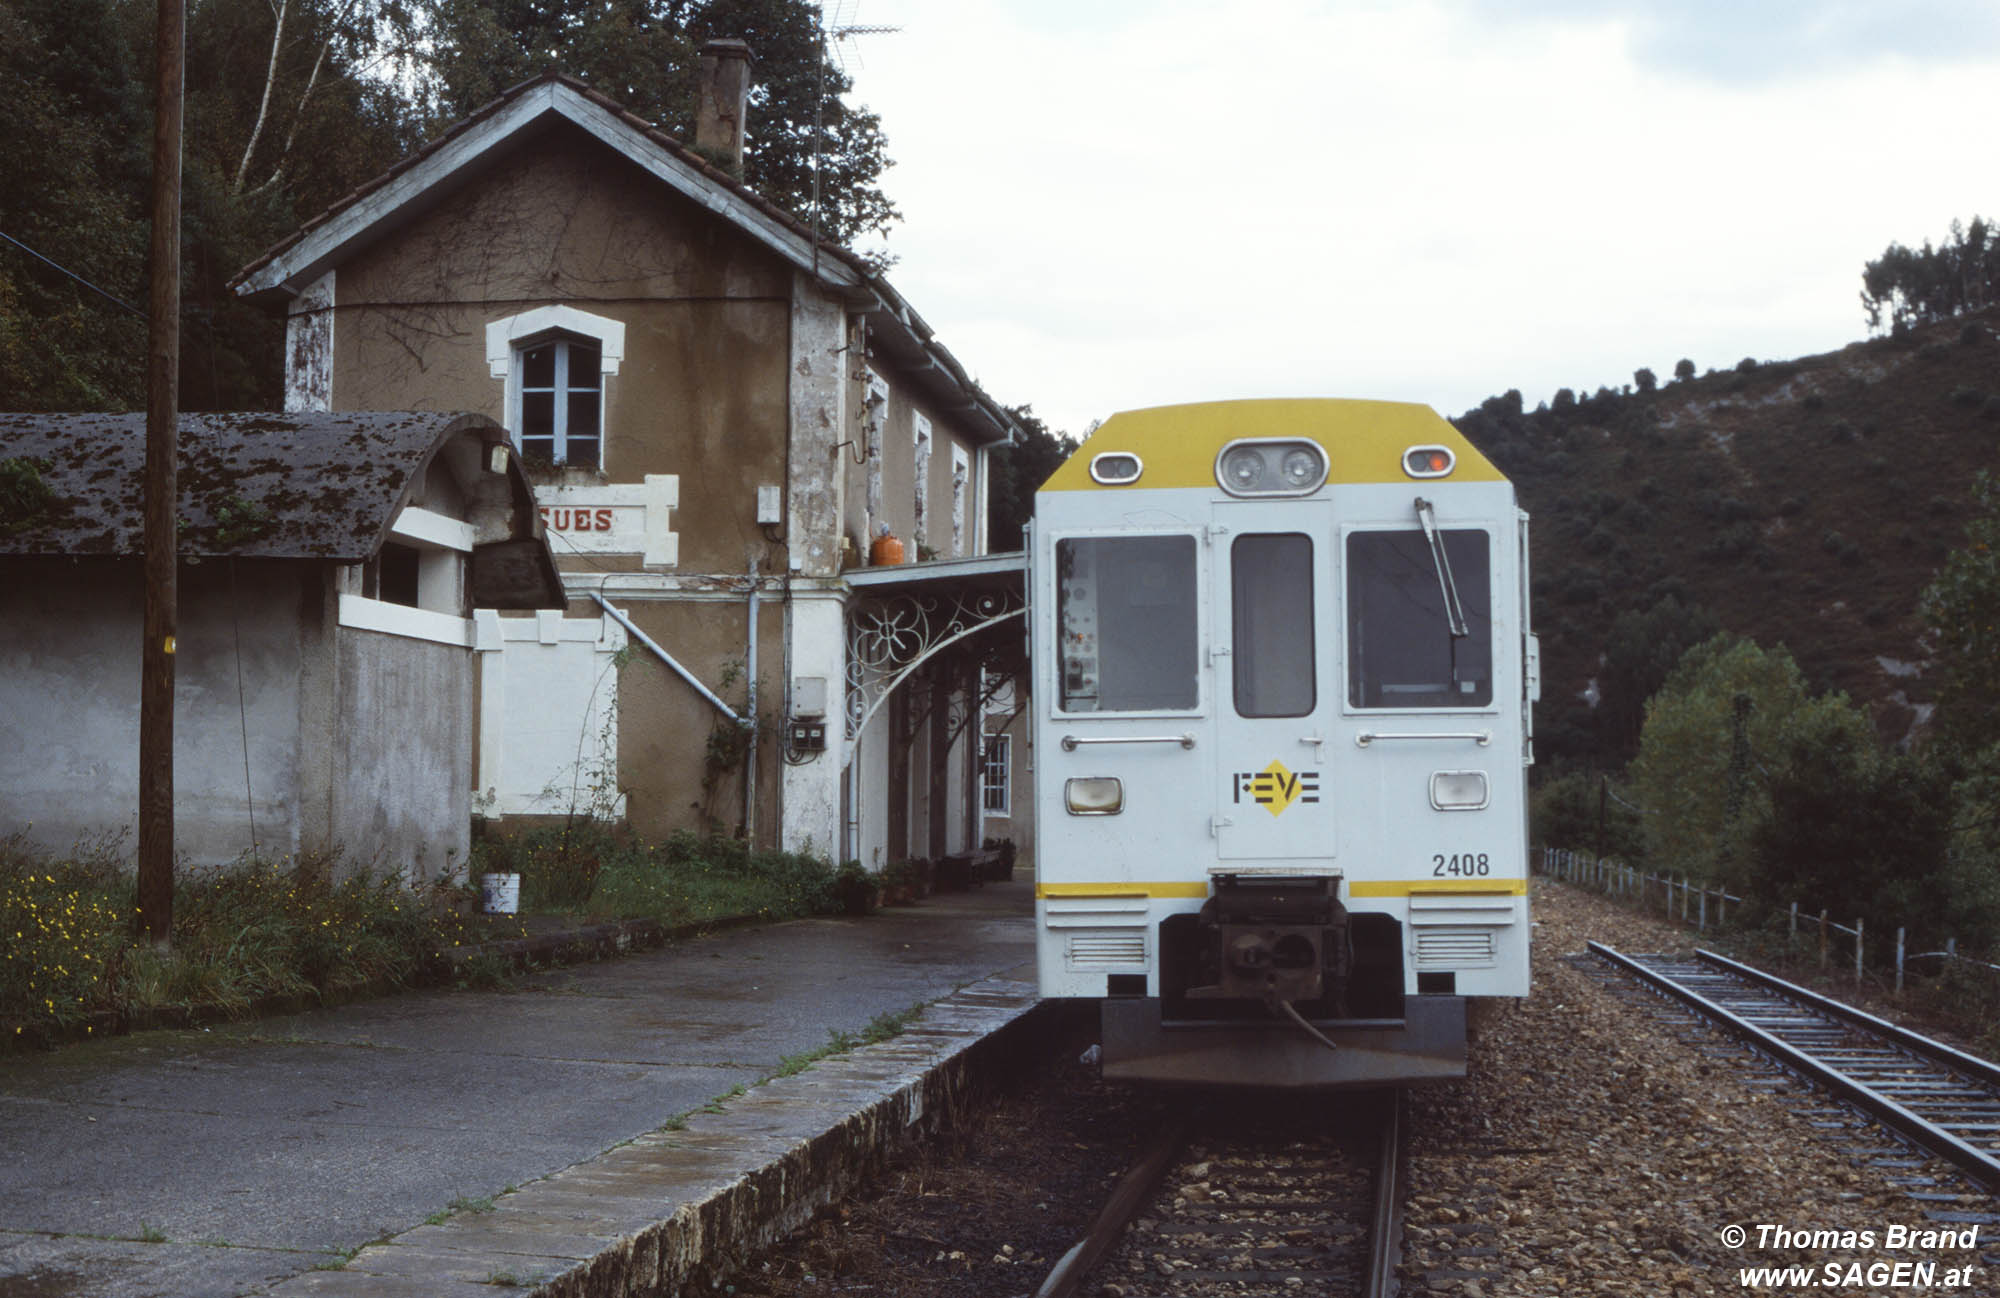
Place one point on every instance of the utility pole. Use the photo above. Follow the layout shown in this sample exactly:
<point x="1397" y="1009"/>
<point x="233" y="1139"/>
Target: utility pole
<point x="163" y="363"/>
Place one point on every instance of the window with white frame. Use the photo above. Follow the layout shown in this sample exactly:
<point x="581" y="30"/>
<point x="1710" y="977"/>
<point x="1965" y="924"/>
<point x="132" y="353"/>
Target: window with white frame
<point x="996" y="762"/>
<point x="875" y="415"/>
<point x="562" y="402"/>
<point x="923" y="462"/>
<point x="961" y="480"/>
<point x="556" y="362"/>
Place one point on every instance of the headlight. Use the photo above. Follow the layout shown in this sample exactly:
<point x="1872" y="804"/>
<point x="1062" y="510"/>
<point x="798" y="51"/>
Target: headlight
<point x="1094" y="795"/>
<point x="1243" y="469"/>
<point x="1273" y="467"/>
<point x="1458" y="790"/>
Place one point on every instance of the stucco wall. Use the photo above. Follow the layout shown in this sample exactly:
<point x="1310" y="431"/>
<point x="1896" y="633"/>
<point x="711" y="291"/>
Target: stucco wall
<point x="898" y="470"/>
<point x="402" y="793"/>
<point x="562" y="221"/>
<point x="69" y="704"/>
<point x="664" y="724"/>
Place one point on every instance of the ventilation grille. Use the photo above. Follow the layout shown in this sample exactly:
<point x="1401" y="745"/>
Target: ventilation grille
<point x="1107" y="951"/>
<point x="1455" y="948"/>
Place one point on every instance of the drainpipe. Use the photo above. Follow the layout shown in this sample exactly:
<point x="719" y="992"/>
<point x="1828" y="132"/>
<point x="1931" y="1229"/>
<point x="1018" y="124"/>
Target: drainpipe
<point x="750" y="720"/>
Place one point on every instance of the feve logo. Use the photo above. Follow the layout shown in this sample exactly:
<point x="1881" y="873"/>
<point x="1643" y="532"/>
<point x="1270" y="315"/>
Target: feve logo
<point x="1274" y="788"/>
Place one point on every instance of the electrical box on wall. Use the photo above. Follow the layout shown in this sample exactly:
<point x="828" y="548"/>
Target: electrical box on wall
<point x="809" y="696"/>
<point x="806" y="735"/>
<point x="770" y="505"/>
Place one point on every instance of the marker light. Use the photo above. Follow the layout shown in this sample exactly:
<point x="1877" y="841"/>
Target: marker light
<point x="1115" y="468"/>
<point x="1094" y="795"/>
<point x="1429" y="461"/>
<point x="1458" y="790"/>
<point x="1271" y="467"/>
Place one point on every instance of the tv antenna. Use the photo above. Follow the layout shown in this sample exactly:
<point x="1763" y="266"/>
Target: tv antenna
<point x="834" y="29"/>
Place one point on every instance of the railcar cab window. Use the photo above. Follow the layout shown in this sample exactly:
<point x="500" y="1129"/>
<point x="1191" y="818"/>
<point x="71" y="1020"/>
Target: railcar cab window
<point x="1402" y="650"/>
<point x="1125" y="616"/>
<point x="1271" y="619"/>
<point x="562" y="391"/>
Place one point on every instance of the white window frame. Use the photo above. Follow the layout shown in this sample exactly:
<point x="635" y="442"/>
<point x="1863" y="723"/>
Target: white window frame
<point x="961" y="481"/>
<point x="997" y="756"/>
<point x="922" y="457"/>
<point x="509" y="336"/>
<point x="874" y="418"/>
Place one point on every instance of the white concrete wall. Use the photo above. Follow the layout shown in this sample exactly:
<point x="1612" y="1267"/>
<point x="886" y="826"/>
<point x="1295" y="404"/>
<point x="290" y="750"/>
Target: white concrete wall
<point x="811" y="797"/>
<point x="548" y="715"/>
<point x="70" y="635"/>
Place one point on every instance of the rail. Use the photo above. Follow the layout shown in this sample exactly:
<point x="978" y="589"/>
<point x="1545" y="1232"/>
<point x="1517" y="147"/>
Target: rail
<point x="1884" y="1100"/>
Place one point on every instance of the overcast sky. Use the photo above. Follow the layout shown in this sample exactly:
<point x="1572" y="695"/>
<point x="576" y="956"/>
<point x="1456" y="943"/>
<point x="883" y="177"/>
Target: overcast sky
<point x="1119" y="203"/>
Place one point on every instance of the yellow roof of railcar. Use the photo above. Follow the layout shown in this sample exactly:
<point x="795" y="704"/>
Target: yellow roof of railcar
<point x="1364" y="440"/>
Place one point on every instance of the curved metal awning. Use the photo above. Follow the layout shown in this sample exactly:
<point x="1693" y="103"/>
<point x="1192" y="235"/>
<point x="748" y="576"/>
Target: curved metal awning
<point x="903" y="615"/>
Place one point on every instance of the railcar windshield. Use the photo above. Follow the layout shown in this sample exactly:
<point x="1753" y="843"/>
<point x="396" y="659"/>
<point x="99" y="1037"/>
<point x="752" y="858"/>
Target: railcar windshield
<point x="1401" y="652"/>
<point x="1126" y="622"/>
<point x="1271" y="615"/>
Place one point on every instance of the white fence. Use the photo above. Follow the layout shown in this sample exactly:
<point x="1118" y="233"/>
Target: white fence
<point x="1688" y="902"/>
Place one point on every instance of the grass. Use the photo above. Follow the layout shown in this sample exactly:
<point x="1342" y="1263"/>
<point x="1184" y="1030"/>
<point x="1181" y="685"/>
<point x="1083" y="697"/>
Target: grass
<point x="69" y="950"/>
<point x="305" y="930"/>
<point x="586" y="870"/>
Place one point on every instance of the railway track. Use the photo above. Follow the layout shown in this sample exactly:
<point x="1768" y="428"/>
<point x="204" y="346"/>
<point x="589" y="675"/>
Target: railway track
<point x="1940" y="1099"/>
<point x="1284" y="1199"/>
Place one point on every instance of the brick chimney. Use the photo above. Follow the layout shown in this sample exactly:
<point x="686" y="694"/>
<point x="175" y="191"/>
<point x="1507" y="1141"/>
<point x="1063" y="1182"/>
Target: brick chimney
<point x="721" y="100"/>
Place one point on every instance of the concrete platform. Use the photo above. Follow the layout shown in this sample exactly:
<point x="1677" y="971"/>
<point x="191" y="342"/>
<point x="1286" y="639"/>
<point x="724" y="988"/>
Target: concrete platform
<point x="574" y="1134"/>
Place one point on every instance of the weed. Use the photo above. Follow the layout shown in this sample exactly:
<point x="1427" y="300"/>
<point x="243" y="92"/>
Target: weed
<point x="151" y="1234"/>
<point x="339" y="1259"/>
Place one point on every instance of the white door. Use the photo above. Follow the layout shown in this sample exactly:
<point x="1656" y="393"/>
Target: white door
<point x="1274" y="633"/>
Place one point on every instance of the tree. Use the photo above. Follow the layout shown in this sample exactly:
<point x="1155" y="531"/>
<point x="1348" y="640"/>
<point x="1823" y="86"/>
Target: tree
<point x="1645" y="380"/>
<point x="75" y="119"/>
<point x="1863" y="831"/>
<point x="462" y="54"/>
<point x="1715" y="735"/>
<point x="1930" y="284"/>
<point x="1683" y="370"/>
<point x="1639" y="655"/>
<point x="1962" y="606"/>
<point x="1018" y="472"/>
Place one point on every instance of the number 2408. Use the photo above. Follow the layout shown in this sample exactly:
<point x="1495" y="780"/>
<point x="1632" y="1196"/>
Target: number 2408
<point x="1461" y="864"/>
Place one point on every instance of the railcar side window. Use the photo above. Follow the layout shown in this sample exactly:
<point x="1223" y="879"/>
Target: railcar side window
<point x="1271" y="617"/>
<point x="1400" y="649"/>
<point x="1125" y="612"/>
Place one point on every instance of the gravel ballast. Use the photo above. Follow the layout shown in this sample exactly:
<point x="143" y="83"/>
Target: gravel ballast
<point x="1603" y="1145"/>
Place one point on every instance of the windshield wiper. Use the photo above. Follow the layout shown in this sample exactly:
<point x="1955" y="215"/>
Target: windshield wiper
<point x="1454" y="612"/>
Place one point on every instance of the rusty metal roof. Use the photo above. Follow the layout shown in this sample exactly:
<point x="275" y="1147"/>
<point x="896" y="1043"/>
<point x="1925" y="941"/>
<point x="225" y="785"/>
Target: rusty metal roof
<point x="291" y="486"/>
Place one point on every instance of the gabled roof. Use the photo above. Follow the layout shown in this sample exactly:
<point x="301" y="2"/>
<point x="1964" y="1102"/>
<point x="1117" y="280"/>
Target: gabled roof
<point x="402" y="191"/>
<point x="286" y="486"/>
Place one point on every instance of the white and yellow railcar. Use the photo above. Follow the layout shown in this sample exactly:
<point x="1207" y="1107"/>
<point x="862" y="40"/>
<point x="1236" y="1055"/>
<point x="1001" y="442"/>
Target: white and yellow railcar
<point x="1283" y="679"/>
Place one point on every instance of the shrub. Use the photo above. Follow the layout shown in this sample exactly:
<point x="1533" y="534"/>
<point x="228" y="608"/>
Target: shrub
<point x="1968" y="398"/>
<point x="1746" y="365"/>
<point x="1564" y="812"/>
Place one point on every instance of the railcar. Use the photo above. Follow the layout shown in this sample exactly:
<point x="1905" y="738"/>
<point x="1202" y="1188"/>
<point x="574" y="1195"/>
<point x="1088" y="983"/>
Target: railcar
<point x="1283" y="681"/>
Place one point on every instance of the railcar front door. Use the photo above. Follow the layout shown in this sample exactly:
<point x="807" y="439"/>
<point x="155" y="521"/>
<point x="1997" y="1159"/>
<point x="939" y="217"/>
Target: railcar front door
<point x="1275" y="697"/>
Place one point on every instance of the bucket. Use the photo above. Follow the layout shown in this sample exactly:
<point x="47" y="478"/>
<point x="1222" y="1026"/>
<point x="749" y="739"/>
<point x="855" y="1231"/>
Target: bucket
<point x="501" y="893"/>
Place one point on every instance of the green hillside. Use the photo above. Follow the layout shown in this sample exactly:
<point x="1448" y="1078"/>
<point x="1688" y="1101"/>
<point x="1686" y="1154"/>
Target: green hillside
<point x="1802" y="503"/>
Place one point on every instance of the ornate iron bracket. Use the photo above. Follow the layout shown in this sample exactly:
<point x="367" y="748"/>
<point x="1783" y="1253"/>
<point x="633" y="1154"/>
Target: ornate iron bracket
<point x="888" y="639"/>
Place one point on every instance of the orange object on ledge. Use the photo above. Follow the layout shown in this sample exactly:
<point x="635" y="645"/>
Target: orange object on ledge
<point x="886" y="550"/>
